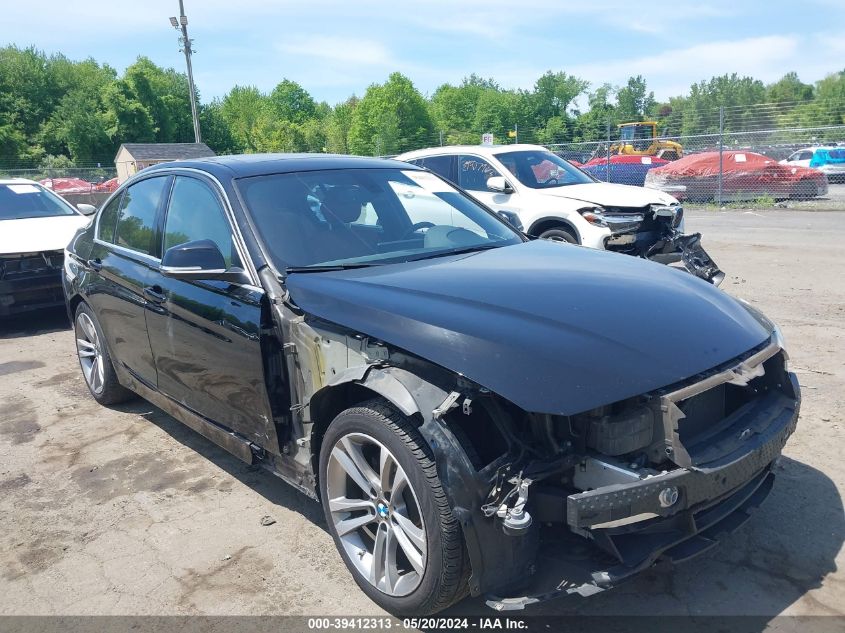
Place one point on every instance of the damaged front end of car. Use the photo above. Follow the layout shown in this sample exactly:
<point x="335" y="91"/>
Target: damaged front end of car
<point x="30" y="281"/>
<point x="583" y="502"/>
<point x="556" y="504"/>
<point x="655" y="232"/>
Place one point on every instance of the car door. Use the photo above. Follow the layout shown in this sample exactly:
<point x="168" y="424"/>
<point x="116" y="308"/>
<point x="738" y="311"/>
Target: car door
<point x="122" y="261"/>
<point x="205" y="335"/>
<point x="473" y="173"/>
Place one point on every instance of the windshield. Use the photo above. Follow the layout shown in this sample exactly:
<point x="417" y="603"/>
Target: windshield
<point x="540" y="169"/>
<point x="25" y="200"/>
<point x="360" y="217"/>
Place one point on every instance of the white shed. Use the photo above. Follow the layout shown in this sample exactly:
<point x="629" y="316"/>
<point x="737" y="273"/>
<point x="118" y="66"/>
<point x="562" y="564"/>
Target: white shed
<point x="133" y="157"/>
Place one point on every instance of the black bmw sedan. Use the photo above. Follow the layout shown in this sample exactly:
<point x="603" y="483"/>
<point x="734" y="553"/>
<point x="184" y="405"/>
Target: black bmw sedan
<point x="475" y="411"/>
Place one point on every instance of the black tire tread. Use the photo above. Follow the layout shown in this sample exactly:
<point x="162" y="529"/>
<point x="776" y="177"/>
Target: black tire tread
<point x="113" y="391"/>
<point x="454" y="578"/>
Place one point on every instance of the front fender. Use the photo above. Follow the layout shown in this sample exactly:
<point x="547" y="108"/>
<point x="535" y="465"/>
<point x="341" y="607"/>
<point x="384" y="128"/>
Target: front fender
<point x="496" y="559"/>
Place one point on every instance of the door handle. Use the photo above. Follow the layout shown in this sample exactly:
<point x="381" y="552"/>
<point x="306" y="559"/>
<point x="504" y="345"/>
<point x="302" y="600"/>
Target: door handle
<point x="95" y="264"/>
<point x="155" y="294"/>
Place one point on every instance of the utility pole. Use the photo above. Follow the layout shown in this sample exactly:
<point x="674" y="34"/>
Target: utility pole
<point x="181" y="24"/>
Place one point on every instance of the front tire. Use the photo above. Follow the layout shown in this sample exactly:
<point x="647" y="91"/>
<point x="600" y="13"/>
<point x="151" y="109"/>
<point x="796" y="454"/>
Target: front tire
<point x="94" y="359"/>
<point x="559" y="234"/>
<point x="388" y="514"/>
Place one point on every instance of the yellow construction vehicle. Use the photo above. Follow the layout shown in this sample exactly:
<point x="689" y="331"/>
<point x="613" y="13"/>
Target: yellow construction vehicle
<point x="640" y="139"/>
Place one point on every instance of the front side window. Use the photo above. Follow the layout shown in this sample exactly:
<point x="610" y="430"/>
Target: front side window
<point x="366" y="217"/>
<point x="195" y="213"/>
<point x="474" y="172"/>
<point x="540" y="169"/>
<point x="23" y="200"/>
<point x="136" y="218"/>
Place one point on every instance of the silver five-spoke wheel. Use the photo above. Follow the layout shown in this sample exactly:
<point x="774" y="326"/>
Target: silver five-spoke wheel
<point x="90" y="353"/>
<point x="376" y="514"/>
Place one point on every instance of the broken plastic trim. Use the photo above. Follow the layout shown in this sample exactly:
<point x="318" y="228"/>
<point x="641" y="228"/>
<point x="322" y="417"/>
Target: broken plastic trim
<point x="694" y="257"/>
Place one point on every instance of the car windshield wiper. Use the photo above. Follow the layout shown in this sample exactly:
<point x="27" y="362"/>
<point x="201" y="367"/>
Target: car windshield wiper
<point x="319" y="268"/>
<point x="457" y="251"/>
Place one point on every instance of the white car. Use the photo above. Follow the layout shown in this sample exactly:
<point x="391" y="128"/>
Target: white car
<point x="548" y="197"/>
<point x="35" y="226"/>
<point x="828" y="160"/>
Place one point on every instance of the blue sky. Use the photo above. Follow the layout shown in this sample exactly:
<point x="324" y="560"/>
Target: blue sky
<point x="336" y="48"/>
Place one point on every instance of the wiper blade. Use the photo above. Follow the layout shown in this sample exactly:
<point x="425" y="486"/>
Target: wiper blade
<point x="317" y="268"/>
<point x="457" y="251"/>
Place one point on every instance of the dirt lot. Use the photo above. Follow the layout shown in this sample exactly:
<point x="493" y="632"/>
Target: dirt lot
<point x="125" y="511"/>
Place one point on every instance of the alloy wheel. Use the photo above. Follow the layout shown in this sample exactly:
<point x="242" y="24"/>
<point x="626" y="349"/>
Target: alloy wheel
<point x="376" y="514"/>
<point x="90" y="353"/>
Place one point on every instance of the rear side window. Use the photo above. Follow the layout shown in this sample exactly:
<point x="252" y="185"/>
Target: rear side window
<point x="136" y="219"/>
<point x="441" y="165"/>
<point x="195" y="213"/>
<point x="108" y="220"/>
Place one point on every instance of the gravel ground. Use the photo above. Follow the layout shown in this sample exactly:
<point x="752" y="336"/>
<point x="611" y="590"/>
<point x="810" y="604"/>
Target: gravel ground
<point x="125" y="511"/>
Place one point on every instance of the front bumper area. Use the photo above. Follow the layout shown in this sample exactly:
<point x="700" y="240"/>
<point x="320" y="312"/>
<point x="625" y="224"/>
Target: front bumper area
<point x="31" y="293"/>
<point x="655" y="234"/>
<point x="617" y="531"/>
<point x="30" y="282"/>
<point x="571" y="568"/>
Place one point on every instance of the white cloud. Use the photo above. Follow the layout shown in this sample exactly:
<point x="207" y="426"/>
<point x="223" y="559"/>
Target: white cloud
<point x="346" y="50"/>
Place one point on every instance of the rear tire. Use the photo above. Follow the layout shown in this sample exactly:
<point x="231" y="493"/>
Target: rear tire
<point x="559" y="234"/>
<point x="94" y="359"/>
<point x="403" y="514"/>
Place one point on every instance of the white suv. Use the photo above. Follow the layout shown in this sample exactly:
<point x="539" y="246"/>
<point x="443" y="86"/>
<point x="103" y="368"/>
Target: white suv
<point x="548" y="197"/>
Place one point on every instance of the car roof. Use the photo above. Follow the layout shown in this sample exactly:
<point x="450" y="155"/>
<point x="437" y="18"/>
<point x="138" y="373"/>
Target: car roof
<point x="483" y="150"/>
<point x="19" y="181"/>
<point x="247" y="165"/>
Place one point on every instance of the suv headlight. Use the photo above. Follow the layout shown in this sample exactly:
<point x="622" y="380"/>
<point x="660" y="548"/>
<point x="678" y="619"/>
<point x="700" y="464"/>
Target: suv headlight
<point x="593" y="215"/>
<point x="673" y="211"/>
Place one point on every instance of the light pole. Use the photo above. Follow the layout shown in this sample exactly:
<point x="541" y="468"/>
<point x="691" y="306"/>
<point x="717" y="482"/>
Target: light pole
<point x="181" y="24"/>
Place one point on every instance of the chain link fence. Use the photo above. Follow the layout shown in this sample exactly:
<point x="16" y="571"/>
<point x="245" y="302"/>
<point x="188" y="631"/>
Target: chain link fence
<point x="757" y="165"/>
<point x="762" y="152"/>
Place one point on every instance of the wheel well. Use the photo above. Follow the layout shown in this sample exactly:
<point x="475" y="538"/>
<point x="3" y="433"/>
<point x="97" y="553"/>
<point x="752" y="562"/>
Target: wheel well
<point x="544" y="224"/>
<point x="326" y="405"/>
<point x="73" y="304"/>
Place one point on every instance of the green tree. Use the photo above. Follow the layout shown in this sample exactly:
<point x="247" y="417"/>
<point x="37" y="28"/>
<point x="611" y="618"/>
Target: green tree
<point x="788" y="90"/>
<point x="291" y="102"/>
<point x="391" y="118"/>
<point x="553" y="95"/>
<point x="215" y="131"/>
<point x="127" y="120"/>
<point x="164" y="94"/>
<point x="634" y="101"/>
<point x="243" y="109"/>
<point x="338" y="125"/>
<point x="592" y="125"/>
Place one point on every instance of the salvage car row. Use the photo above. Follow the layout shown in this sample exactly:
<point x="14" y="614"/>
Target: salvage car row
<point x="464" y="401"/>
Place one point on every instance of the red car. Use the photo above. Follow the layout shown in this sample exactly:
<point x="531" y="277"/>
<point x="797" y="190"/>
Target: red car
<point x="745" y="176"/>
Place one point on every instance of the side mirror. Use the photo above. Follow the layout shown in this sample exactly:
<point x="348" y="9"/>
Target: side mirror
<point x="86" y="209"/>
<point x="200" y="259"/>
<point x="498" y="183"/>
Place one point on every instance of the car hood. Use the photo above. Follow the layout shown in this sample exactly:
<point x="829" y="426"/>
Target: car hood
<point x="552" y="327"/>
<point x="32" y="235"/>
<point x="610" y="194"/>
